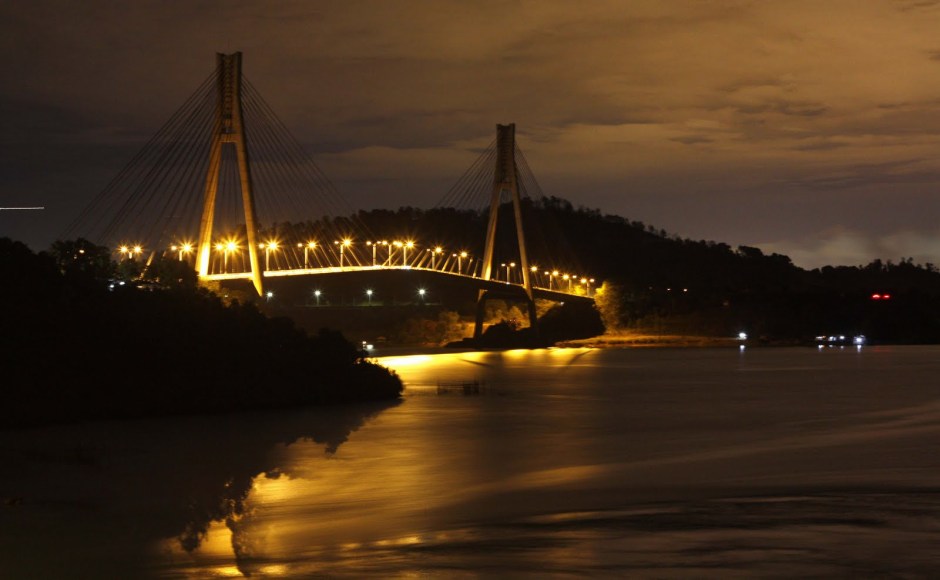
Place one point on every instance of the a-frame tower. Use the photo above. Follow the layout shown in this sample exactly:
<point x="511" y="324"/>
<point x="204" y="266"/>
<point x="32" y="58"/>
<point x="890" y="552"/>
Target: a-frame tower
<point x="505" y="179"/>
<point x="229" y="129"/>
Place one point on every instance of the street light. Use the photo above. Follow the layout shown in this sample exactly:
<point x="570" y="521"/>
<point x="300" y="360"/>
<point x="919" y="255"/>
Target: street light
<point x="388" y="257"/>
<point x="396" y="244"/>
<point x="373" y="251"/>
<point x="269" y="247"/>
<point x="343" y="245"/>
<point x="568" y="278"/>
<point x="220" y="248"/>
<point x="551" y="277"/>
<point x="316" y="294"/>
<point x="421" y="293"/>
<point x="369" y="296"/>
<point x="225" y="248"/>
<point x="404" y="253"/>
<point x="230" y="246"/>
<point x="436" y="251"/>
<point x="307" y="248"/>
<point x="460" y="258"/>
<point x="508" y="268"/>
<point x="185" y="248"/>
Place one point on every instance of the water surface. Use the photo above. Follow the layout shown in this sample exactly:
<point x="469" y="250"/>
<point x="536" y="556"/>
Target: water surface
<point x="544" y="463"/>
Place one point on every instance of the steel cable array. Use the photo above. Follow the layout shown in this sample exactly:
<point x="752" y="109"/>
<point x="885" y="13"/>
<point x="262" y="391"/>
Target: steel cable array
<point x="546" y="243"/>
<point x="156" y="200"/>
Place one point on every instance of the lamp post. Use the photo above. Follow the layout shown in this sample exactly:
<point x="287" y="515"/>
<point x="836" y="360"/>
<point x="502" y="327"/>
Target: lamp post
<point x="220" y="248"/>
<point x="230" y="247"/>
<point x="181" y="249"/>
<point x="373" y="251"/>
<point x="435" y="252"/>
<point x="308" y="247"/>
<point x="316" y="294"/>
<point x="269" y="247"/>
<point x="184" y="248"/>
<point x="460" y="258"/>
<point x="342" y="246"/>
<point x="396" y="244"/>
<point x="568" y="278"/>
<point x="509" y="268"/>
<point x="551" y="278"/>
<point x="369" y="296"/>
<point x="404" y="253"/>
<point x="535" y="272"/>
<point x="421" y="293"/>
<point x="388" y="257"/>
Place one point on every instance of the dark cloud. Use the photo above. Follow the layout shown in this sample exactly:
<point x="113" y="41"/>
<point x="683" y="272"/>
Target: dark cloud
<point x="710" y="120"/>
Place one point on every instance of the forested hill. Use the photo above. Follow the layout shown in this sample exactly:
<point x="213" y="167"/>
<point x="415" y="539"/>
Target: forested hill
<point x="665" y="283"/>
<point x="697" y="286"/>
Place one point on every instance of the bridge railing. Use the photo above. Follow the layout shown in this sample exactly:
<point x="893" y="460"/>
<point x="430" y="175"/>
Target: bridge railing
<point x="229" y="261"/>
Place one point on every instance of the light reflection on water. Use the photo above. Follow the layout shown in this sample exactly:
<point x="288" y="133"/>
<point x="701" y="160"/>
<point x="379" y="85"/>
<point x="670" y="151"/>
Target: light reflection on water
<point x="665" y="463"/>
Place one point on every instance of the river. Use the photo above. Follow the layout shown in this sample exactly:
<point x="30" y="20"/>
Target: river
<point x="552" y="463"/>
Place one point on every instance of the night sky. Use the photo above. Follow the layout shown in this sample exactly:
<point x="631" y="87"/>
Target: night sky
<point x="810" y="129"/>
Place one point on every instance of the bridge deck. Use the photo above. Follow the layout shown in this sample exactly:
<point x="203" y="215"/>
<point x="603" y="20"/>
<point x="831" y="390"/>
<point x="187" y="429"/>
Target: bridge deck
<point x="556" y="294"/>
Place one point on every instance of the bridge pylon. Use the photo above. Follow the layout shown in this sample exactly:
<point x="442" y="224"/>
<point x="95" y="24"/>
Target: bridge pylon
<point x="506" y="179"/>
<point x="228" y="129"/>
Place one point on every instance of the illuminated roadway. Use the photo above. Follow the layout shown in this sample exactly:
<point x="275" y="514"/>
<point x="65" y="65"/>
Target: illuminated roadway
<point x="557" y="295"/>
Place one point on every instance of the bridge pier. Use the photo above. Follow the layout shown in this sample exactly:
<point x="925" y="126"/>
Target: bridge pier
<point x="486" y="295"/>
<point x="229" y="130"/>
<point x="506" y="178"/>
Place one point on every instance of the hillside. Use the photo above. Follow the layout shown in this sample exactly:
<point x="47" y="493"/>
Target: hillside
<point x="662" y="283"/>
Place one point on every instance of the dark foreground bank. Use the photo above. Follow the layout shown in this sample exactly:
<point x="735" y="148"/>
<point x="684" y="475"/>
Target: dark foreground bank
<point x="77" y="345"/>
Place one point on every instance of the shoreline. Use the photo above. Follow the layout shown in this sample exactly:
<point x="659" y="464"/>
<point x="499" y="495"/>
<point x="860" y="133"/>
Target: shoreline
<point x="638" y="340"/>
<point x="652" y="341"/>
<point x="601" y="341"/>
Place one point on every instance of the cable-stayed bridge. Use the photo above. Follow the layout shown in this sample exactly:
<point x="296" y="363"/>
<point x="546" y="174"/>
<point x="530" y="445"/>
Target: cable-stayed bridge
<point x="225" y="187"/>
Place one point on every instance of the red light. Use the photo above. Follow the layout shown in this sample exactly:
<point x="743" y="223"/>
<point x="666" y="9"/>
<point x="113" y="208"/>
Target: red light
<point x="876" y="296"/>
<point x="886" y="296"/>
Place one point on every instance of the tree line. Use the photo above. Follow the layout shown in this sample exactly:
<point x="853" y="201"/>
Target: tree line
<point x="661" y="282"/>
<point x="82" y="340"/>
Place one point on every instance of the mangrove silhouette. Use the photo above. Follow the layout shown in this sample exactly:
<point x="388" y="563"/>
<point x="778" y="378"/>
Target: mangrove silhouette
<point x="80" y="342"/>
<point x="170" y="479"/>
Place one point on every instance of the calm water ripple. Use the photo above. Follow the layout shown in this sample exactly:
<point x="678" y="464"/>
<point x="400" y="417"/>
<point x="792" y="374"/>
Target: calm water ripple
<point x="555" y="463"/>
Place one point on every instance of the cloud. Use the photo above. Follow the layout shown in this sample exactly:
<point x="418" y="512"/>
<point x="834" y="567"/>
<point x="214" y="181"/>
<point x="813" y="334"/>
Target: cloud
<point x="731" y="120"/>
<point x="845" y="247"/>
